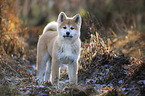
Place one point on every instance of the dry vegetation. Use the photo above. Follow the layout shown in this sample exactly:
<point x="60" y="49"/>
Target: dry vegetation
<point x="112" y="59"/>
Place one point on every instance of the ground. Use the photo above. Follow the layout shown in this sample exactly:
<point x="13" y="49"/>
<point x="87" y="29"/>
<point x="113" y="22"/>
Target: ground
<point x="102" y="72"/>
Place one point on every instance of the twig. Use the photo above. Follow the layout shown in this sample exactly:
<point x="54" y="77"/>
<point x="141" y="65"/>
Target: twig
<point x="13" y="69"/>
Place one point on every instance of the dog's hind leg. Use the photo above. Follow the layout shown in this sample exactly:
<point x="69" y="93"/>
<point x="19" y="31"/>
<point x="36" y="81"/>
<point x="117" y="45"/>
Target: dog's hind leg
<point x="42" y="58"/>
<point x="48" y="70"/>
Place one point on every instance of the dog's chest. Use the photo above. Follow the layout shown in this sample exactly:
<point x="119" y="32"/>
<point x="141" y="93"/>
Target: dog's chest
<point x="66" y="53"/>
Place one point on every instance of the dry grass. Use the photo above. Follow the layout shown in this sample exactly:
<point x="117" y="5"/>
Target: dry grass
<point x="132" y="44"/>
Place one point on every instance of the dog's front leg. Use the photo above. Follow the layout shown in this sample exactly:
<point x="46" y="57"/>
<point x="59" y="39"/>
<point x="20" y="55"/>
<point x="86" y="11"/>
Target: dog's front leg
<point x="55" y="72"/>
<point x="73" y="73"/>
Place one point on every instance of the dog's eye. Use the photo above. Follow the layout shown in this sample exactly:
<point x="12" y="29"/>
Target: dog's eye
<point x="71" y="28"/>
<point x="64" y="27"/>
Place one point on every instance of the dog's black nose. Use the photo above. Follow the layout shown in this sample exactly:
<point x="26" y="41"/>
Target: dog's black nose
<point x="67" y="33"/>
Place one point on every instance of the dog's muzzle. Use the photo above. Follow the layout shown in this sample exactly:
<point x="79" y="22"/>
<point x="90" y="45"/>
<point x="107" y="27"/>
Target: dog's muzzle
<point x="67" y="35"/>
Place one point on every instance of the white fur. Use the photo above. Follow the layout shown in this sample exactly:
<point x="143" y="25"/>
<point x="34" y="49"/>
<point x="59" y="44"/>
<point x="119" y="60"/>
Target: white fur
<point x="70" y="56"/>
<point x="74" y="33"/>
<point x="50" y="26"/>
<point x="67" y="53"/>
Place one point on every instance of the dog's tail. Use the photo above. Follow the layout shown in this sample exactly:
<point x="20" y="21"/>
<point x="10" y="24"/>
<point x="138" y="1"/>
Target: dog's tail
<point x="52" y="26"/>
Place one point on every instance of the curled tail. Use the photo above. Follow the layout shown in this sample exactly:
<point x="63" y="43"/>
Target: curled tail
<point x="52" y="26"/>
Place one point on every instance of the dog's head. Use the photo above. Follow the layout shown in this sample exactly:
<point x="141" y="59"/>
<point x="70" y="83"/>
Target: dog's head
<point x="69" y="28"/>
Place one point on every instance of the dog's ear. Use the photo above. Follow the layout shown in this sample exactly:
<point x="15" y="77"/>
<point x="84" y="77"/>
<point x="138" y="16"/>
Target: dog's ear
<point x="61" y="17"/>
<point x="77" y="19"/>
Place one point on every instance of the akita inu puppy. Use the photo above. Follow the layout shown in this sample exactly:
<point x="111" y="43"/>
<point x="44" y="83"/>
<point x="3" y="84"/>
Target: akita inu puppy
<point x="59" y="47"/>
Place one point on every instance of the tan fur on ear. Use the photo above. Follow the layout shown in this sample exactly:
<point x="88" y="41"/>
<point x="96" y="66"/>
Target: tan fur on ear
<point x="77" y="19"/>
<point x="61" y="17"/>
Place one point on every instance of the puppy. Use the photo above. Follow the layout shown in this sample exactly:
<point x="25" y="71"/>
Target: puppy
<point x="59" y="44"/>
